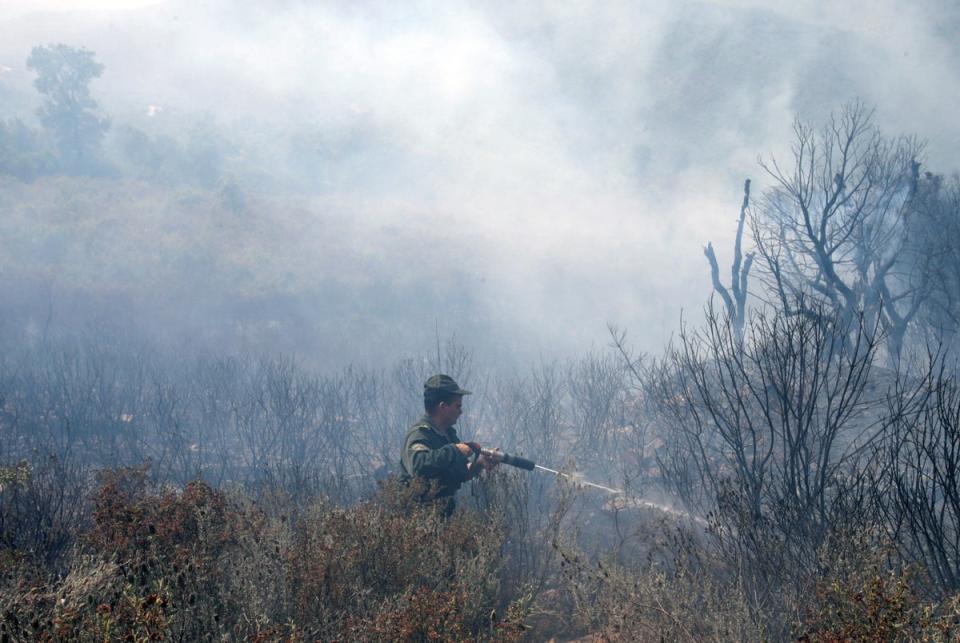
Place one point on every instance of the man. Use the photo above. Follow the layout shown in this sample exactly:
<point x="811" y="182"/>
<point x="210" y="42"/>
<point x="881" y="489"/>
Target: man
<point x="432" y="451"/>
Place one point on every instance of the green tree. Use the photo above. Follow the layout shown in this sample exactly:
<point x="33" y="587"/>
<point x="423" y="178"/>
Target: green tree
<point x="68" y="111"/>
<point x="22" y="151"/>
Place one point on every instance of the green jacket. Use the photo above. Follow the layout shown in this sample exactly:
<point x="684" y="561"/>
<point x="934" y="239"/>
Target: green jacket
<point x="432" y="454"/>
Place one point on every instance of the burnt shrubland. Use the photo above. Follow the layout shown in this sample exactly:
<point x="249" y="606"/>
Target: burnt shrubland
<point x="788" y="466"/>
<point x="779" y="484"/>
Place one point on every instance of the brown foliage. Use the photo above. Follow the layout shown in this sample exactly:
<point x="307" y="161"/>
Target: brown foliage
<point x="869" y="601"/>
<point x="401" y="565"/>
<point x="194" y="525"/>
<point x="197" y="563"/>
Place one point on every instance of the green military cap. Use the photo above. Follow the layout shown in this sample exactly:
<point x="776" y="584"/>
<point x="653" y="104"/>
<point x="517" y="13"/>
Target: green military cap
<point x="442" y="385"/>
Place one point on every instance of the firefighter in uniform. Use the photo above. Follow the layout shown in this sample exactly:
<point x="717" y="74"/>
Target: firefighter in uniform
<point x="432" y="451"/>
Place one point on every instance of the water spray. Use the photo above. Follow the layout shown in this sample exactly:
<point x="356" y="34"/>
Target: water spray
<point x="530" y="465"/>
<point x="579" y="480"/>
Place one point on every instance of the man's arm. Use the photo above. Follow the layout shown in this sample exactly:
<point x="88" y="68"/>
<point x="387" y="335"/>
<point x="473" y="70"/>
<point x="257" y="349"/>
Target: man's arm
<point x="447" y="461"/>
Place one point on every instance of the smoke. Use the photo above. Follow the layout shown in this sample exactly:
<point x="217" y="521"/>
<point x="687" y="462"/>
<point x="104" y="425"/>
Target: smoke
<point x="560" y="165"/>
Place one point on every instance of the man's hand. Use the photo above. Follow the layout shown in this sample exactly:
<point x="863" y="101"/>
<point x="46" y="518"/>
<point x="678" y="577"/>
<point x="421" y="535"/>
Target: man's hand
<point x="476" y="467"/>
<point x="492" y="460"/>
<point x="483" y="463"/>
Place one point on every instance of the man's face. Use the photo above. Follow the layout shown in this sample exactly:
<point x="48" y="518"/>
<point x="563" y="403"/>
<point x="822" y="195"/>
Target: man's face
<point x="449" y="413"/>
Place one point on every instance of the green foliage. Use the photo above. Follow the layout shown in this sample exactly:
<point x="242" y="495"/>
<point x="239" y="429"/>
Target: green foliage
<point x="23" y="153"/>
<point x="151" y="158"/>
<point x="204" y="153"/>
<point x="68" y="111"/>
<point x="198" y="159"/>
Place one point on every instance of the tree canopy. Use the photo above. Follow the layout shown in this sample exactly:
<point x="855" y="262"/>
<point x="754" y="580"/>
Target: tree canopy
<point x="68" y="111"/>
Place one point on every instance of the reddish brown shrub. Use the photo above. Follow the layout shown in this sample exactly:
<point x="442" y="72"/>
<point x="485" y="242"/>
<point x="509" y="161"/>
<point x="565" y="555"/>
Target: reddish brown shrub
<point x="187" y="565"/>
<point x="878" y="606"/>
<point x="169" y="550"/>
<point x="392" y="569"/>
<point x="194" y="525"/>
<point x="418" y="615"/>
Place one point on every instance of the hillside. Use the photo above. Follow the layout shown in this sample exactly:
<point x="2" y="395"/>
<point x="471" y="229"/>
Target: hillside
<point x="304" y="275"/>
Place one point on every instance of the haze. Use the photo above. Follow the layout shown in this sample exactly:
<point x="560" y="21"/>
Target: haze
<point x="515" y="175"/>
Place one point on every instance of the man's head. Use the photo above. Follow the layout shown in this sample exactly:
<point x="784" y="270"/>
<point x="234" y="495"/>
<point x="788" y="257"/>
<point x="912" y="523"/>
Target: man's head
<point x="443" y="400"/>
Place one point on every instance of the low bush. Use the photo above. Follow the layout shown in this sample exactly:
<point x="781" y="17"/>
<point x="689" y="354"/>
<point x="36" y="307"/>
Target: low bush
<point x="677" y="592"/>
<point x="199" y="563"/>
<point x="392" y="568"/>
<point x="860" y="596"/>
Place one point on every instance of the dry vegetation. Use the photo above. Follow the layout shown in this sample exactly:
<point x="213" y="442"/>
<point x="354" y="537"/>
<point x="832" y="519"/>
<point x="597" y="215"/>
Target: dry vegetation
<point x="787" y="473"/>
<point x="258" y="513"/>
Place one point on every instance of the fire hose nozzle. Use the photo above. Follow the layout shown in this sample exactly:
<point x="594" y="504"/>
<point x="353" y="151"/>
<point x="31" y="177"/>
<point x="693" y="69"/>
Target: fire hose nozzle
<point x="512" y="460"/>
<point x="529" y="465"/>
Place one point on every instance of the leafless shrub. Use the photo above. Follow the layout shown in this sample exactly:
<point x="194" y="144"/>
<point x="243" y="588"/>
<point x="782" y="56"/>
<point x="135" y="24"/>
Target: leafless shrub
<point x="42" y="504"/>
<point x="766" y="436"/>
<point x="677" y="592"/>
<point x="831" y="232"/>
<point x="530" y="519"/>
<point x="933" y="250"/>
<point x="917" y="486"/>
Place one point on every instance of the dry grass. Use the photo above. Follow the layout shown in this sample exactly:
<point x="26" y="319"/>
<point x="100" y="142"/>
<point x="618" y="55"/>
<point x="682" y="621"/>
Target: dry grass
<point x="198" y="563"/>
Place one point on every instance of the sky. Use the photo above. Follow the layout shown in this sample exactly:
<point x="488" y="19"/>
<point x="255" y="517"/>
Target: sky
<point x="15" y="7"/>
<point x="573" y="158"/>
